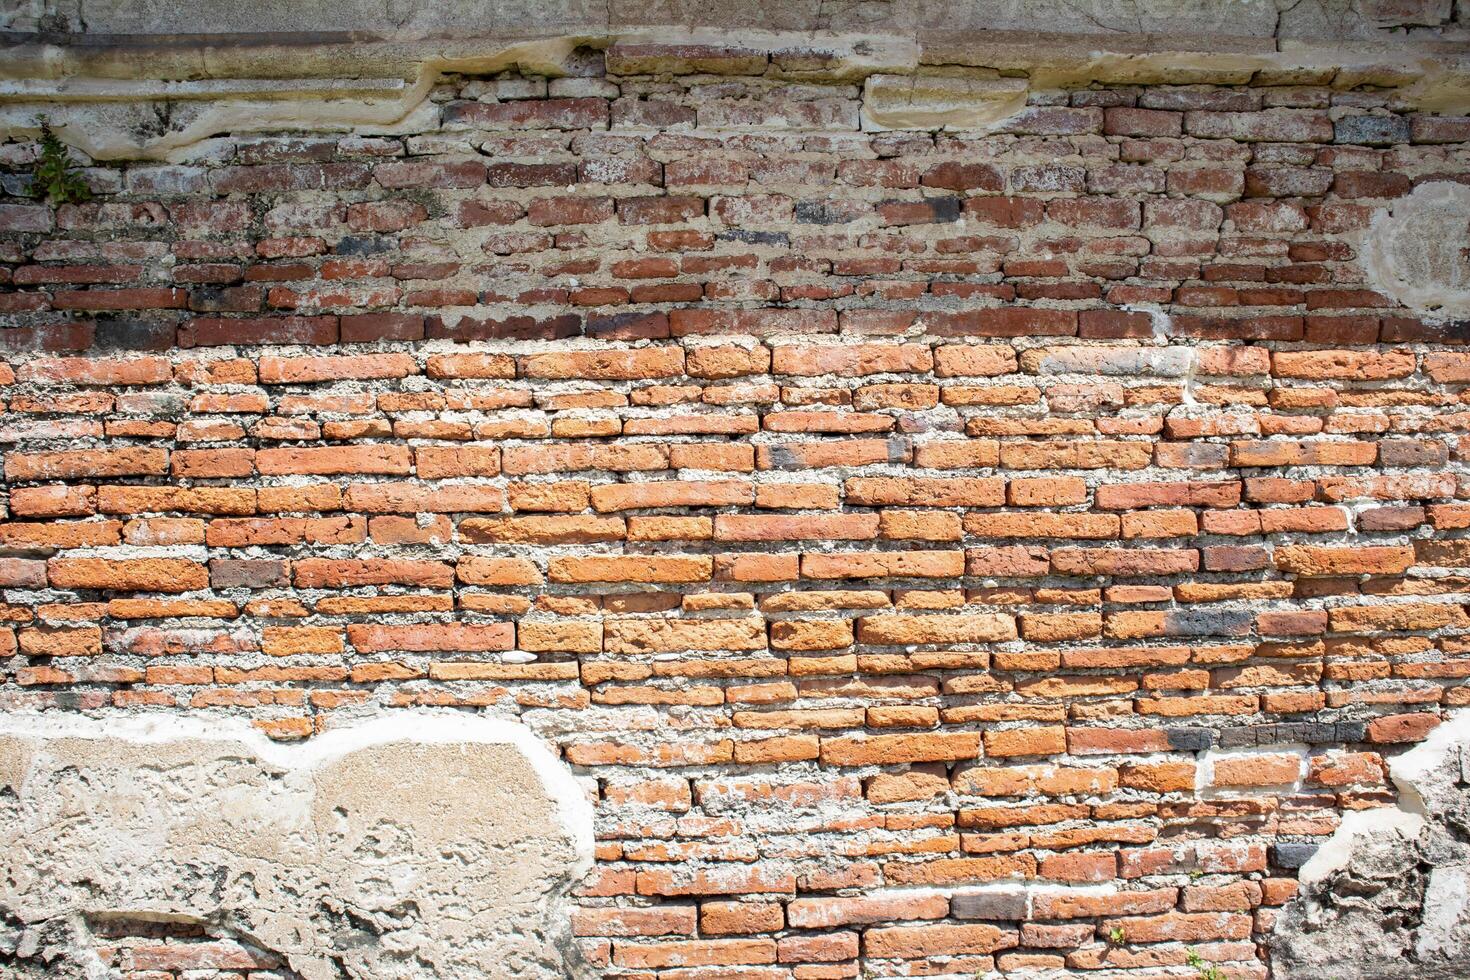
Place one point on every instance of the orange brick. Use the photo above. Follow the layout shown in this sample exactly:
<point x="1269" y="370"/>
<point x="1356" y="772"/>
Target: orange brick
<point x="1048" y="740"/>
<point x="128" y="575"/>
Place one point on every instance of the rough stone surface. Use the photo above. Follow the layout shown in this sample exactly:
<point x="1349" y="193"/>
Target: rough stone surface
<point x="415" y="845"/>
<point x="1389" y="894"/>
<point x="1242" y="18"/>
<point x="940" y="102"/>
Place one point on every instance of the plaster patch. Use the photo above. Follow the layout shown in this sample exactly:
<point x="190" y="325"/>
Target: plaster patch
<point x="413" y="845"/>
<point x="1418" y="252"/>
<point x="940" y="102"/>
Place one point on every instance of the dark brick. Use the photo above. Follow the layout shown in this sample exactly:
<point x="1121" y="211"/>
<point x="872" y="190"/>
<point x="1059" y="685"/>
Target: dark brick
<point x="1189" y="739"/>
<point x="996" y="906"/>
<point x="629" y="326"/>
<point x="365" y="245"/>
<point x="511" y="328"/>
<point x="240" y="573"/>
<point x="135" y="333"/>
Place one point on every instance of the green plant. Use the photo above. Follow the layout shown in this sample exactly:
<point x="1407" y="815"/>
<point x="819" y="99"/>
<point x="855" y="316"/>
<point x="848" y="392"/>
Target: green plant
<point x="55" y="178"/>
<point x="1118" y="935"/>
<point x="1206" y="971"/>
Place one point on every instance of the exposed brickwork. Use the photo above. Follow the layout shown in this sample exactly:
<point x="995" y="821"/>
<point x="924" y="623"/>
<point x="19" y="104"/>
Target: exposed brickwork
<point x="169" y="951"/>
<point x="875" y="520"/>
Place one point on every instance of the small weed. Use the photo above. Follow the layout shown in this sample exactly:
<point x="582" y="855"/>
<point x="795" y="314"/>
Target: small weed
<point x="1118" y="935"/>
<point x="1206" y="971"/>
<point x="55" y="177"/>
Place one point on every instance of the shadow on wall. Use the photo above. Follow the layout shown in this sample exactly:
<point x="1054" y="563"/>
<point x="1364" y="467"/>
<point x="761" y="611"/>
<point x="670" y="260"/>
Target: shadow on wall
<point x="414" y="845"/>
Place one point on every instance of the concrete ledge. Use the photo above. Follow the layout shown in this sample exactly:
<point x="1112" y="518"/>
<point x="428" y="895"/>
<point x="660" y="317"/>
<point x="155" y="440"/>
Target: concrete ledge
<point x="1324" y="19"/>
<point x="155" y="96"/>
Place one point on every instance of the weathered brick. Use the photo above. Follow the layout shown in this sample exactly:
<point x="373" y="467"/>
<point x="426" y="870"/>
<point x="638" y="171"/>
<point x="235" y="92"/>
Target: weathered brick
<point x="1080" y="470"/>
<point x="127" y="575"/>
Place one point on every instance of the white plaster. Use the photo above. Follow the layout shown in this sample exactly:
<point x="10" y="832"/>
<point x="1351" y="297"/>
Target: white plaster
<point x="1335" y="852"/>
<point x="127" y="815"/>
<point x="1446" y="896"/>
<point x="1416" y="767"/>
<point x="1416" y="252"/>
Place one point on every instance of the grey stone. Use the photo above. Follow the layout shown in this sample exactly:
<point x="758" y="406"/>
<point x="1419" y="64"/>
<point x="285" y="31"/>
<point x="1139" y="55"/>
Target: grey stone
<point x="1202" y="622"/>
<point x="825" y="213"/>
<point x="582" y="88"/>
<point x="1148" y="362"/>
<point x="754" y="237"/>
<point x="166" y="180"/>
<point x="1371" y="130"/>
<point x="244" y="573"/>
<point x="16" y="185"/>
<point x="1292" y="855"/>
<point x="282" y="64"/>
<point x="1245" y="19"/>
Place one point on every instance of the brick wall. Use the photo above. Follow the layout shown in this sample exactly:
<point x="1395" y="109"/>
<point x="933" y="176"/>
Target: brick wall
<point x="936" y="552"/>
